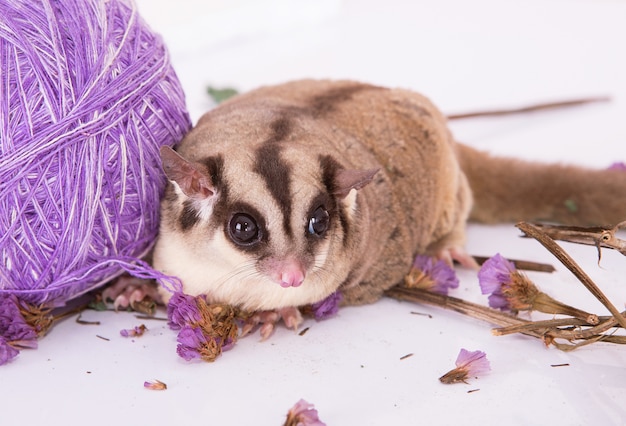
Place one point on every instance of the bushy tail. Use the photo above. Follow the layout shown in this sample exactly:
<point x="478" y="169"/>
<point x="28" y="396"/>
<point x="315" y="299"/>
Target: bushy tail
<point x="510" y="190"/>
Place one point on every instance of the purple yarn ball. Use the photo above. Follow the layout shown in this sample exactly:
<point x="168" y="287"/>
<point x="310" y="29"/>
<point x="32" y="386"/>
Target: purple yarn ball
<point x="87" y="97"/>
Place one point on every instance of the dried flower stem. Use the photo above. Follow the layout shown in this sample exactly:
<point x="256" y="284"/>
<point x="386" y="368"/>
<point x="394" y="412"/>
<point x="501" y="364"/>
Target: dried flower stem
<point x="570" y="264"/>
<point x="593" y="236"/>
<point x="525" y="265"/>
<point x="583" y="334"/>
<point x="605" y="324"/>
<point x="545" y="330"/>
<point x="459" y="305"/>
<point x="38" y="317"/>
<point x="546" y="304"/>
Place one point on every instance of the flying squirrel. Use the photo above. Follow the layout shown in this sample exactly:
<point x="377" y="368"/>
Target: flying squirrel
<point x="286" y="194"/>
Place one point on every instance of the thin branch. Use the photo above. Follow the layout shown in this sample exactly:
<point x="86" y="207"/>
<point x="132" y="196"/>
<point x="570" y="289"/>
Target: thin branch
<point x="525" y="265"/>
<point x="529" y="108"/>
<point x="473" y="310"/>
<point x="570" y="264"/>
<point x="551" y="326"/>
<point x="593" y="236"/>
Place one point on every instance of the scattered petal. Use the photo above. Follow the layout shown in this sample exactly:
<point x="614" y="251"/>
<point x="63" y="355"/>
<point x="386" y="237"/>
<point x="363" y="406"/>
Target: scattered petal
<point x="303" y="414"/>
<point x="429" y="273"/>
<point x="154" y="385"/>
<point x="137" y="331"/>
<point x="468" y="364"/>
<point x="475" y="362"/>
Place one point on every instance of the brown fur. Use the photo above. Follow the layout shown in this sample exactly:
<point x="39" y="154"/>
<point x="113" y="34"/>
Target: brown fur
<point x="418" y="202"/>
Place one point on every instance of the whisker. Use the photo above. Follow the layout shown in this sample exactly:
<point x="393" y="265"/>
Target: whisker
<point x="243" y="270"/>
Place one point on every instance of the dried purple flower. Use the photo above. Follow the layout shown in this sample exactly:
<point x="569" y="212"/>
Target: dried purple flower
<point x="429" y="273"/>
<point x="7" y="352"/>
<point x="13" y="326"/>
<point x="468" y="364"/>
<point x="328" y="307"/>
<point x="618" y="166"/>
<point x="137" y="331"/>
<point x="154" y="385"/>
<point x="303" y="414"/>
<point x="495" y="273"/>
<point x="206" y="330"/>
<point x="15" y="332"/>
<point x="182" y="310"/>
<point x="512" y="290"/>
<point x="195" y="343"/>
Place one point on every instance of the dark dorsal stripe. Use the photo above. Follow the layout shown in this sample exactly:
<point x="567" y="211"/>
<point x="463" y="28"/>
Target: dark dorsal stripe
<point x="326" y="102"/>
<point x="281" y="128"/>
<point x="275" y="172"/>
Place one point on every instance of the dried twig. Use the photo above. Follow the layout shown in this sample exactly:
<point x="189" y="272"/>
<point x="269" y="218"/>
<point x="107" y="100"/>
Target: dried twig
<point x="522" y="264"/>
<point x="570" y="329"/>
<point x="570" y="264"/>
<point x="473" y="310"/>
<point x="594" y="236"/>
<point x="530" y="108"/>
<point x="550" y="327"/>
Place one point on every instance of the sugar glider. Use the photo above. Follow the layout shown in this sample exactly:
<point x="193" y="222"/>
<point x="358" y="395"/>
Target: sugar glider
<point x="283" y="195"/>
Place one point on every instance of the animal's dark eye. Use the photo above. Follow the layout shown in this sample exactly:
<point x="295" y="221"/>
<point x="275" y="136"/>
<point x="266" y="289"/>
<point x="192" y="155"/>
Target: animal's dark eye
<point x="318" y="222"/>
<point x="243" y="229"/>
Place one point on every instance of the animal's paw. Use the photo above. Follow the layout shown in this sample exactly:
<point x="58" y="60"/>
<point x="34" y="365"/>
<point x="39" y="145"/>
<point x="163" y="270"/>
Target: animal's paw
<point x="135" y="293"/>
<point x="267" y="320"/>
<point x="450" y="254"/>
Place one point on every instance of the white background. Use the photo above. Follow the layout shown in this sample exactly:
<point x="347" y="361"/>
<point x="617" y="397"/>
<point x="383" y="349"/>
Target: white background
<point x="464" y="55"/>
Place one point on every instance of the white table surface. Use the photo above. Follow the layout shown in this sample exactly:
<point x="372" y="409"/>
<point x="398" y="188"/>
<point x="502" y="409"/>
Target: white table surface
<point x="464" y="55"/>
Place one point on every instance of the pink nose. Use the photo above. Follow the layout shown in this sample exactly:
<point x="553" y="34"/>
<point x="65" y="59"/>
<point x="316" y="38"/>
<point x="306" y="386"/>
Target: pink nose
<point x="291" y="277"/>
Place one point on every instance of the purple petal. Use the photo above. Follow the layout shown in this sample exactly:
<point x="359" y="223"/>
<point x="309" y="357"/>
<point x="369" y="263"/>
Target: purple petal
<point x="182" y="310"/>
<point x="228" y="344"/>
<point x="497" y="300"/>
<point x="441" y="275"/>
<point x="154" y="385"/>
<point x="304" y="414"/>
<point x="493" y="273"/>
<point x="444" y="276"/>
<point x="475" y="363"/>
<point x="327" y="307"/>
<point x="190" y="342"/>
<point x="618" y="166"/>
<point x="137" y="331"/>
<point x="7" y="352"/>
<point x="422" y="262"/>
<point x="13" y="327"/>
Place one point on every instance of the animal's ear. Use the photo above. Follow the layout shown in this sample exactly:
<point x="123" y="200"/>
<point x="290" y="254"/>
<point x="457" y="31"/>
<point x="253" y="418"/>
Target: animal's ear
<point x="347" y="180"/>
<point x="190" y="177"/>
